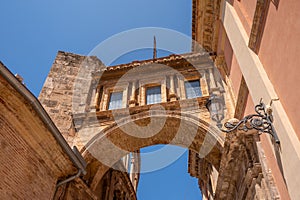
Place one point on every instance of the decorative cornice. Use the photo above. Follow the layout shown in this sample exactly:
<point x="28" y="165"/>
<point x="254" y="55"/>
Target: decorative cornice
<point x="108" y="115"/>
<point x="241" y="100"/>
<point x="171" y="58"/>
<point x="205" y="28"/>
<point x="259" y="19"/>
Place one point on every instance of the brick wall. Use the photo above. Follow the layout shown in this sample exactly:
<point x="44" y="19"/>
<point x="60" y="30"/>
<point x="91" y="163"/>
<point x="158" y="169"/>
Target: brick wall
<point x="31" y="159"/>
<point x="24" y="174"/>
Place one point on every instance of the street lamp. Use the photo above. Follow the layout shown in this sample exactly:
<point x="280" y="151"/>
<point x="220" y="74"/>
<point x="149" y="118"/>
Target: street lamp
<point x="261" y="121"/>
<point x="215" y="106"/>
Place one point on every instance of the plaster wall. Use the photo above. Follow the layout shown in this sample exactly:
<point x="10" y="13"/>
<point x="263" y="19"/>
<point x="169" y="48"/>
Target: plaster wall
<point x="245" y="11"/>
<point x="279" y="54"/>
<point x="260" y="86"/>
<point x="271" y="160"/>
<point x="233" y="68"/>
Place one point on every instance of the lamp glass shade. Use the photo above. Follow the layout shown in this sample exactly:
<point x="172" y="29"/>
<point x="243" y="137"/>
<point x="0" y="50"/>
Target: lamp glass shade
<point x="215" y="105"/>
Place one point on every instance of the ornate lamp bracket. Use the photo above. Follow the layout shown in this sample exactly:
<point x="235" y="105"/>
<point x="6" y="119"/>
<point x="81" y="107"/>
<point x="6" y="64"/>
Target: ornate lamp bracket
<point x="261" y="121"/>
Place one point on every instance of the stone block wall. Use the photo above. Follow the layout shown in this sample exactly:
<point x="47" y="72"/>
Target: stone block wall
<point x="66" y="89"/>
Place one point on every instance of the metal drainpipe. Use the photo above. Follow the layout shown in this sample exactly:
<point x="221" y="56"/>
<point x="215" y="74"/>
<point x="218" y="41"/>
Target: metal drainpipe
<point x="66" y="181"/>
<point x="69" y="179"/>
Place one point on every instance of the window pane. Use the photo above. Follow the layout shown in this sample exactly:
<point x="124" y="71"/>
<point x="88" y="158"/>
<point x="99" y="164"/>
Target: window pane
<point x="192" y="89"/>
<point x="115" y="101"/>
<point x="153" y="95"/>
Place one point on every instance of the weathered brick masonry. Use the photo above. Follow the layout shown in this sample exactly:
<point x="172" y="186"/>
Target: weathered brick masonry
<point x="32" y="160"/>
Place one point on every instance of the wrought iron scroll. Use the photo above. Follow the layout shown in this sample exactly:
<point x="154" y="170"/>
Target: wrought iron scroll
<point x="261" y="121"/>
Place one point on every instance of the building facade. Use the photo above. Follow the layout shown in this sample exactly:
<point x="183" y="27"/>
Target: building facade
<point x="247" y="54"/>
<point x="89" y="102"/>
<point x="256" y="52"/>
<point x="114" y="111"/>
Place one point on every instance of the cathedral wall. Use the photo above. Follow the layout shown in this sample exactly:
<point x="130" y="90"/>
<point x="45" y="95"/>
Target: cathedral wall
<point x="271" y="160"/>
<point x="266" y="78"/>
<point x="233" y="71"/>
<point x="66" y="90"/>
<point x="279" y="53"/>
<point x="281" y="68"/>
<point x="235" y="75"/>
<point x="245" y="11"/>
<point x="57" y="92"/>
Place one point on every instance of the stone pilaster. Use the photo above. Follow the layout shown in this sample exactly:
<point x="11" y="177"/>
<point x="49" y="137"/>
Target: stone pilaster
<point x="172" y="94"/>
<point x="132" y="101"/>
<point x="164" y="90"/>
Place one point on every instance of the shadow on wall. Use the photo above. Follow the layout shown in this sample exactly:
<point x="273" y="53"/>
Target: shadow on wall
<point x="276" y="3"/>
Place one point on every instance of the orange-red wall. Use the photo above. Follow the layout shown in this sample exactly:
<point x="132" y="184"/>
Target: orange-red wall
<point x="233" y="67"/>
<point x="271" y="159"/>
<point x="245" y="10"/>
<point x="280" y="55"/>
<point x="279" y="52"/>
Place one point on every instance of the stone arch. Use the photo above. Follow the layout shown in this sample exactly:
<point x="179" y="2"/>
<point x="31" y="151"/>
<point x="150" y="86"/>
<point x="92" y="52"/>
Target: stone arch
<point x="181" y="129"/>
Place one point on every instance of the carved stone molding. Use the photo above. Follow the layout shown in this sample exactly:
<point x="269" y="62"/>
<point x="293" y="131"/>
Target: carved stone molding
<point x="259" y="19"/>
<point x="205" y="27"/>
<point x="241" y="100"/>
<point x="242" y="173"/>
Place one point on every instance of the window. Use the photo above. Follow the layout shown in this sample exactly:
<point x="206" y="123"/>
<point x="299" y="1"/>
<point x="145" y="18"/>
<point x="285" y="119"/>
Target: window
<point x="153" y="95"/>
<point x="192" y="89"/>
<point x="115" y="101"/>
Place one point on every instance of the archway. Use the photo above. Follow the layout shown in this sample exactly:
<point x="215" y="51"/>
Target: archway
<point x="195" y="133"/>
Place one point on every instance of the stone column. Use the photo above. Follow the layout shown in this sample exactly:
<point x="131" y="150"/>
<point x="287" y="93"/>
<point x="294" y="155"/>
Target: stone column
<point x="105" y="101"/>
<point x="203" y="85"/>
<point x="142" y="95"/>
<point x="135" y="169"/>
<point x="125" y="160"/>
<point x="96" y="100"/>
<point x="125" y="94"/>
<point x="213" y="86"/>
<point x="164" y="90"/>
<point x="172" y="89"/>
<point x="132" y="101"/>
<point x="182" y="89"/>
<point x="132" y="168"/>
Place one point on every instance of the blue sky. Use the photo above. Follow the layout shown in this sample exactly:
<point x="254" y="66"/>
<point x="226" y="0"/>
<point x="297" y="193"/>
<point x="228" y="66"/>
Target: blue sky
<point x="172" y="182"/>
<point x="32" y="32"/>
